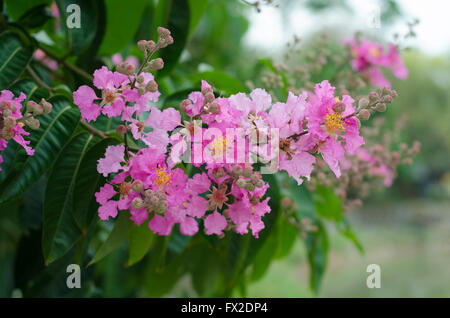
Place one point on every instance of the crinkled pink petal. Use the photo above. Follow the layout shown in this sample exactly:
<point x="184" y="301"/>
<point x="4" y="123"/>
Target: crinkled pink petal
<point x="167" y="119"/>
<point x="189" y="226"/>
<point x="332" y="152"/>
<point x="106" y="192"/>
<point x="114" y="155"/>
<point x="215" y="223"/>
<point x="84" y="98"/>
<point x="107" y="210"/>
<point x="160" y="225"/>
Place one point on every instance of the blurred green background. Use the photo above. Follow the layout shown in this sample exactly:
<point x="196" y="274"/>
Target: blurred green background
<point x="404" y="229"/>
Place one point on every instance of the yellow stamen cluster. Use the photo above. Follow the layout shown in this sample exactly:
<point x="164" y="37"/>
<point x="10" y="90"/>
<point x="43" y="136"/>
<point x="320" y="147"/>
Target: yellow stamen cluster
<point x="374" y="51"/>
<point x="218" y="146"/>
<point x="334" y="122"/>
<point x="163" y="177"/>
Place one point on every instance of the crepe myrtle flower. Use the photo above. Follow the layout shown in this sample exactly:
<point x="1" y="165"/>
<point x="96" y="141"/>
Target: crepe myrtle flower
<point x="332" y="125"/>
<point x="12" y="122"/>
<point x="369" y="57"/>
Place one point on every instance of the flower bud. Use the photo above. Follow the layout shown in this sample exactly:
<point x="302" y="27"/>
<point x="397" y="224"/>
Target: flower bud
<point x="125" y="68"/>
<point x="151" y="46"/>
<point x="152" y="86"/>
<point x="209" y="97"/>
<point x="218" y="172"/>
<point x="241" y="183"/>
<point x="184" y="104"/>
<point x="46" y="106"/>
<point x="214" y="108"/>
<point x="142" y="90"/>
<point x="121" y="130"/>
<point x="8" y="133"/>
<point x="9" y="122"/>
<point x="140" y="79"/>
<point x="364" y="114"/>
<point x="237" y="170"/>
<point x="255" y="177"/>
<point x="380" y="107"/>
<point x="137" y="203"/>
<point x="33" y="123"/>
<point x="137" y="186"/>
<point x="207" y="90"/>
<point x="149" y="193"/>
<point x="259" y="184"/>
<point x="142" y="45"/>
<point x="31" y="106"/>
<point x="250" y="186"/>
<point x="248" y="172"/>
<point x="363" y="103"/>
<point x="156" y="64"/>
<point x="394" y="93"/>
<point x="373" y="96"/>
<point x="339" y="107"/>
<point x="6" y="104"/>
<point x="387" y="99"/>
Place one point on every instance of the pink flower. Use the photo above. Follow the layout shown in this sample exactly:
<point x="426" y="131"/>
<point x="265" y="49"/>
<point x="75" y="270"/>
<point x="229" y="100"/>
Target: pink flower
<point x="330" y="127"/>
<point x="114" y="156"/>
<point x="215" y="223"/>
<point x="10" y="110"/>
<point x="368" y="57"/>
<point x="84" y="98"/>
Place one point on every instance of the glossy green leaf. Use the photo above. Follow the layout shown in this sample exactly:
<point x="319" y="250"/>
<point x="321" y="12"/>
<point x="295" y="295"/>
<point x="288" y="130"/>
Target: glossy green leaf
<point x="116" y="238"/>
<point x="317" y="252"/>
<point x="87" y="182"/>
<point x="54" y="132"/>
<point x="140" y="241"/>
<point x="59" y="228"/>
<point x="178" y="23"/>
<point x="347" y="231"/>
<point x="79" y="39"/>
<point x="197" y="8"/>
<point x="35" y="17"/>
<point x="31" y="89"/>
<point x="327" y="203"/>
<point x="17" y="8"/>
<point x="117" y="35"/>
<point x="14" y="57"/>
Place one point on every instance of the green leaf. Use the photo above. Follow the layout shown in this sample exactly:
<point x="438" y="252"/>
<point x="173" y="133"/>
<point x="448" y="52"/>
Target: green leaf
<point x="317" y="250"/>
<point x="14" y="57"/>
<point x="327" y="203"/>
<point x="54" y="132"/>
<point x="88" y="181"/>
<point x="178" y="23"/>
<point x="264" y="257"/>
<point x="347" y="231"/>
<point x="197" y="8"/>
<point x="116" y="238"/>
<point x="29" y="88"/>
<point x="79" y="39"/>
<point x="59" y="228"/>
<point x="141" y="239"/>
<point x="287" y="235"/>
<point x="118" y="35"/>
<point x="35" y="17"/>
<point x="18" y="8"/>
<point x="220" y="80"/>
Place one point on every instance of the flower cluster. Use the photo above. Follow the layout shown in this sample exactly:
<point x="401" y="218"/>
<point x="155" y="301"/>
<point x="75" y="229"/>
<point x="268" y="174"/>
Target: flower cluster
<point x="12" y="121"/>
<point x="369" y="56"/>
<point x="203" y="164"/>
